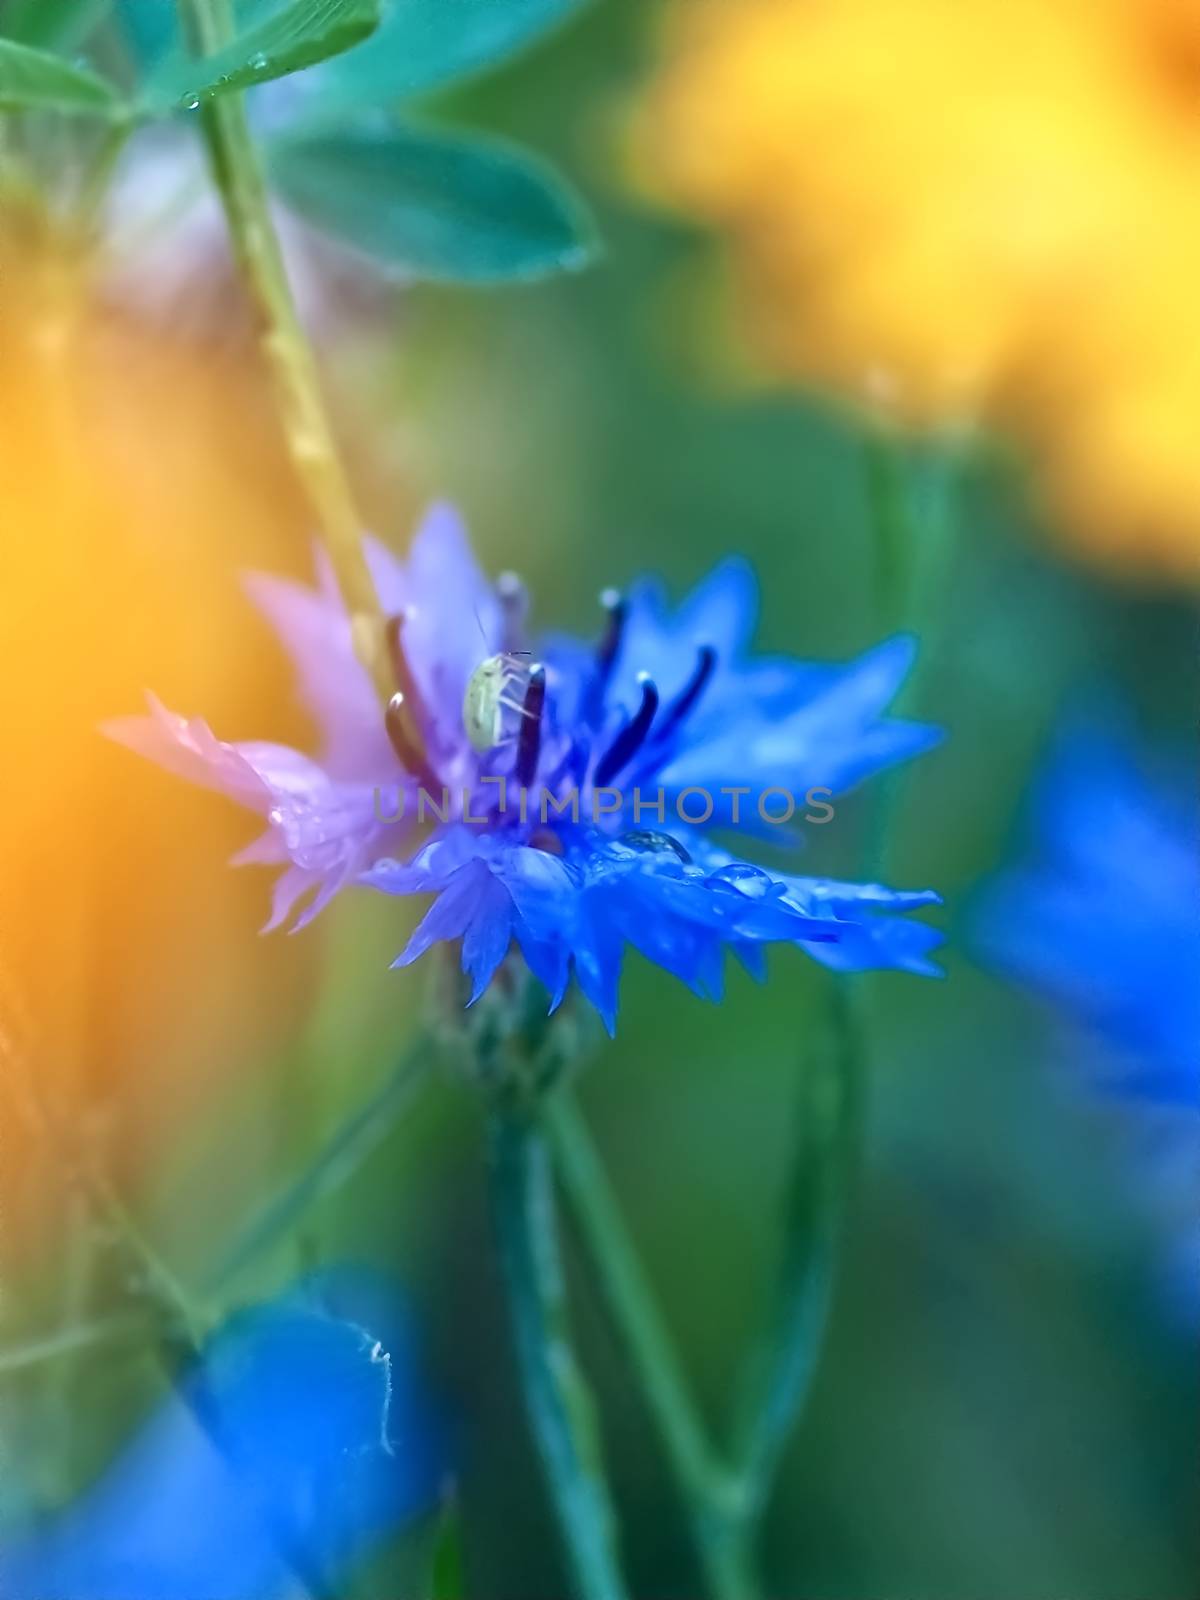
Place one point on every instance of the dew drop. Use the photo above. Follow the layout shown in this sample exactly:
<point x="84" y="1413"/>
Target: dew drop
<point x="650" y="841"/>
<point x="750" y="881"/>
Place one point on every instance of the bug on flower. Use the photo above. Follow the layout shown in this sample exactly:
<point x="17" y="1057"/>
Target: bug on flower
<point x="487" y="696"/>
<point x="669" y="696"/>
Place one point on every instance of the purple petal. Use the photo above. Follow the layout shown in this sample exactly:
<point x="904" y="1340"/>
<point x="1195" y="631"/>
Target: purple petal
<point x="334" y="685"/>
<point x="452" y="617"/>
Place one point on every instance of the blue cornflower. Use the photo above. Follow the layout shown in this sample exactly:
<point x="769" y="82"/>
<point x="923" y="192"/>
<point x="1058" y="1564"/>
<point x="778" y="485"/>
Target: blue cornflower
<point x="1106" y="926"/>
<point x="302" y="1437"/>
<point x="572" y="789"/>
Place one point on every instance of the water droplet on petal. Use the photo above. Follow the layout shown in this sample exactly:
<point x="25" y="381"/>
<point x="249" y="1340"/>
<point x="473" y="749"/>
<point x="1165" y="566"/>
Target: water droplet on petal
<point x="654" y="843"/>
<point x="748" y="880"/>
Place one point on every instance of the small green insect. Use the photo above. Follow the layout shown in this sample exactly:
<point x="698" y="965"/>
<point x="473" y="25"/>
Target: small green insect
<point x="487" y="696"/>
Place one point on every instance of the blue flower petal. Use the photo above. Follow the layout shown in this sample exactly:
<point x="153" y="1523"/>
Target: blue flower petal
<point x="1106" y="925"/>
<point x="486" y="941"/>
<point x="721" y="612"/>
<point x="1103" y="923"/>
<point x="300" y="1440"/>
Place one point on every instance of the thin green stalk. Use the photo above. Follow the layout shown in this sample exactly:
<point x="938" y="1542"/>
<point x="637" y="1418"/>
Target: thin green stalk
<point x="181" y="1323"/>
<point x="181" y="1344"/>
<point x="337" y="1162"/>
<point x="913" y="508"/>
<point x="938" y="513"/>
<point x="183" y="1320"/>
<point x="558" y="1402"/>
<point x="708" y="1493"/>
<point x="782" y="1366"/>
<point x="351" y="1143"/>
<point x="66" y="1341"/>
<point x="98" y="177"/>
<point x="886" y="476"/>
<point x="242" y="185"/>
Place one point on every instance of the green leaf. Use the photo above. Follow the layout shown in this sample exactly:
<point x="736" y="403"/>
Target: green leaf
<point x="32" y="80"/>
<point x="430" y="206"/>
<point x="51" y="24"/>
<point x="298" y="36"/>
<point x="422" y="44"/>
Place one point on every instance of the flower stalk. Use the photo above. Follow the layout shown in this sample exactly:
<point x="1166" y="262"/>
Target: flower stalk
<point x="704" y="1484"/>
<point x="781" y="1368"/>
<point x="241" y="183"/>
<point x="885" y="476"/>
<point x="335" y="1163"/>
<point x="726" y="1500"/>
<point x="559" y="1404"/>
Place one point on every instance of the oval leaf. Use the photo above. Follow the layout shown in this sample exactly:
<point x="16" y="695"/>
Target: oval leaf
<point x="422" y="44"/>
<point x="428" y="206"/>
<point x="33" y="80"/>
<point x="298" y="36"/>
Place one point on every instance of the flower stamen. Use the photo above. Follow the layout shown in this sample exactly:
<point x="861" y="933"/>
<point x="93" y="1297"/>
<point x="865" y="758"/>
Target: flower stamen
<point x="415" y="712"/>
<point x="406" y="742"/>
<point x="514" y="609"/>
<point x="529" y="739"/>
<point x="617" y="609"/>
<point x="685" y="702"/>
<point x="631" y="737"/>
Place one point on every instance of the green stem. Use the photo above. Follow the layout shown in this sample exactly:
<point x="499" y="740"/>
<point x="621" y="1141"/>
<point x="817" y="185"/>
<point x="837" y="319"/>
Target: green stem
<point x="242" y="185"/>
<point x="98" y="177"/>
<point x="709" y="1494"/>
<point x="183" y="1321"/>
<point x="886" y="474"/>
<point x="558" y="1402"/>
<point x="351" y="1143"/>
<point x="781" y="1368"/>
<point x="337" y="1162"/>
<point x="914" y="510"/>
<point x="67" y="1340"/>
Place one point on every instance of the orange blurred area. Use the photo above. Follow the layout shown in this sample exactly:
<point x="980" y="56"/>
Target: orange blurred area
<point x="138" y="475"/>
<point x="957" y="212"/>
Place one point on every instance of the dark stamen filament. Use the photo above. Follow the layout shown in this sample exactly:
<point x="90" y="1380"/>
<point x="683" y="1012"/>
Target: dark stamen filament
<point x="617" y="608"/>
<point x="631" y="737"/>
<point x="402" y="673"/>
<point x="406" y="742"/>
<point x="607" y="651"/>
<point x="514" y="608"/>
<point x="529" y="740"/>
<point x="685" y="702"/>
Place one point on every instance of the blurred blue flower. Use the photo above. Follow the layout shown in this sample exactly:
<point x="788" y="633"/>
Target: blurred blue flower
<point x="576" y="786"/>
<point x="302" y="1437"/>
<point x="1106" y="926"/>
<point x="1107" y="923"/>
